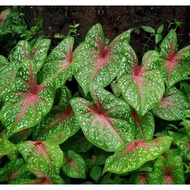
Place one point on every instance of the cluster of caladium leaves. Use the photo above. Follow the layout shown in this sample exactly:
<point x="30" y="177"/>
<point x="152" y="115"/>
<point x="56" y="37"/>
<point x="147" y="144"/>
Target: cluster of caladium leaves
<point x="124" y="117"/>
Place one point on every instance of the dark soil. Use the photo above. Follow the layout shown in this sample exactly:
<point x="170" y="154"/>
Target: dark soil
<point x="114" y="20"/>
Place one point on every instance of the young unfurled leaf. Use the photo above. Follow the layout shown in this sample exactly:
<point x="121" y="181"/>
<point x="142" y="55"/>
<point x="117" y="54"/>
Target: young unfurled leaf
<point x="60" y="123"/>
<point x="144" y="126"/>
<point x="168" y="171"/>
<point x="58" y="63"/>
<point x="133" y="155"/>
<point x="148" y="29"/>
<point x="175" y="65"/>
<point x="41" y="157"/>
<point x="28" y="103"/>
<point x="106" y="122"/>
<point x="95" y="173"/>
<point x="74" y="165"/>
<point x="97" y="61"/>
<point x="172" y="106"/>
<point x="142" y="86"/>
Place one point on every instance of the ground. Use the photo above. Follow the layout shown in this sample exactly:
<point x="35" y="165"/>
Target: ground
<point x="114" y="20"/>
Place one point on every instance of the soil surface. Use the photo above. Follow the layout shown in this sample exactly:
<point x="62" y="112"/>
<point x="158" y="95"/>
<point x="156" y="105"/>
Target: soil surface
<point x="114" y="20"/>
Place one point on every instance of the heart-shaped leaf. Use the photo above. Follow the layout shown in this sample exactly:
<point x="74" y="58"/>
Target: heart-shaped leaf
<point x="106" y="122"/>
<point x="28" y="103"/>
<point x="172" y="106"/>
<point x="133" y="155"/>
<point x="37" y="53"/>
<point x="175" y="63"/>
<point x="168" y="171"/>
<point x="142" y="86"/>
<point x="96" y="61"/>
<point x="145" y="126"/>
<point x="58" y="63"/>
<point x="59" y="124"/>
<point x="41" y="156"/>
<point x="74" y="165"/>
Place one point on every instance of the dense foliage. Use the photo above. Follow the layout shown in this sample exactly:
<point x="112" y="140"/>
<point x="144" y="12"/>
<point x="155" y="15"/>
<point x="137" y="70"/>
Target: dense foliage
<point x="95" y="113"/>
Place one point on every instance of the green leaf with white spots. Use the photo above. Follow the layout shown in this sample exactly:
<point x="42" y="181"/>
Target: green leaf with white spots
<point x="142" y="86"/>
<point x="60" y="123"/>
<point x="133" y="155"/>
<point x="14" y="170"/>
<point x="58" y="64"/>
<point x="168" y="171"/>
<point x="28" y="102"/>
<point x="7" y="76"/>
<point x="39" y="52"/>
<point x="3" y="61"/>
<point x="142" y="177"/>
<point x="21" y="52"/>
<point x="144" y="126"/>
<point x="172" y="106"/>
<point x="41" y="157"/>
<point x="106" y="122"/>
<point x="6" y="147"/>
<point x="184" y="147"/>
<point x="175" y="64"/>
<point x="97" y="61"/>
<point x="74" y="165"/>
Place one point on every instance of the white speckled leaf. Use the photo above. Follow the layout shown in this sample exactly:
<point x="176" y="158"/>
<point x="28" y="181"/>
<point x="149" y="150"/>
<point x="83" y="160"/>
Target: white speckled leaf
<point x="13" y="170"/>
<point x="175" y="64"/>
<point x="58" y="64"/>
<point x="96" y="61"/>
<point x="142" y="86"/>
<point x="172" y="106"/>
<point x="3" y="61"/>
<point x="28" y="103"/>
<point x="41" y="157"/>
<point x="6" y="147"/>
<point x="7" y="75"/>
<point x="183" y="143"/>
<point x="144" y="126"/>
<point x="74" y="165"/>
<point x="39" y="52"/>
<point x="168" y="171"/>
<point x="21" y="52"/>
<point x="106" y="122"/>
<point x="133" y="155"/>
<point x="60" y="123"/>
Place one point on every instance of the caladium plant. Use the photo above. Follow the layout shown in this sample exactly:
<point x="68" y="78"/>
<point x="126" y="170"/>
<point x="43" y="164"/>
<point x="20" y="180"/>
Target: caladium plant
<point x="94" y="114"/>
